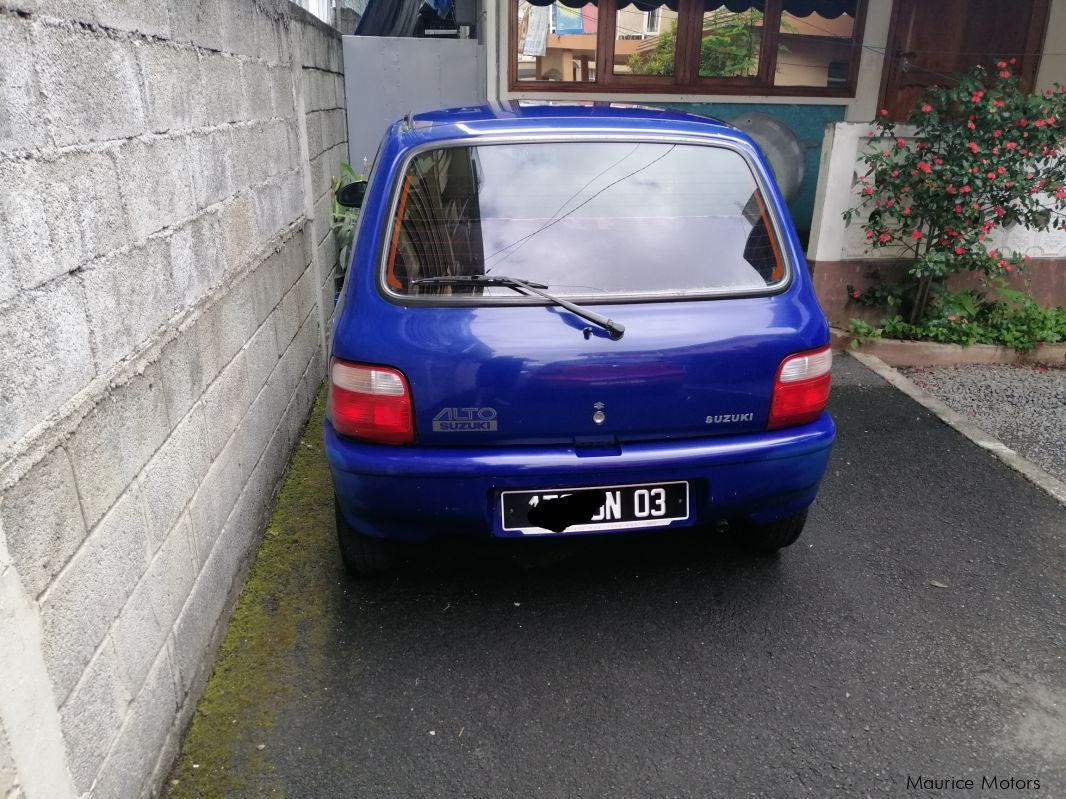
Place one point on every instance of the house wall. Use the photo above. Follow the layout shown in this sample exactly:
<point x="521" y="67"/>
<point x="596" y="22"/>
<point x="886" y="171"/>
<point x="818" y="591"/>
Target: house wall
<point x="165" y="285"/>
<point x="839" y="256"/>
<point x="1052" y="68"/>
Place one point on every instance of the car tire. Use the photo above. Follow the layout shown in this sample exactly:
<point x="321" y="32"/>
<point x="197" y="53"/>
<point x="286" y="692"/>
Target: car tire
<point x="766" y="539"/>
<point x="363" y="555"/>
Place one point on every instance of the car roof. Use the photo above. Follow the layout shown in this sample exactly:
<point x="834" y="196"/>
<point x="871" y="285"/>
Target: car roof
<point x="525" y="117"/>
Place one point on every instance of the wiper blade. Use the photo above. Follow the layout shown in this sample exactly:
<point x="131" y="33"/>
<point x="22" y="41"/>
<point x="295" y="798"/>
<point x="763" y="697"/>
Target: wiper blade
<point x="614" y="329"/>
<point x="474" y="280"/>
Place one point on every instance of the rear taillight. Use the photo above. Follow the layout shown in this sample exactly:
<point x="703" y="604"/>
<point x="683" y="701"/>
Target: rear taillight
<point x="801" y="389"/>
<point x="371" y="403"/>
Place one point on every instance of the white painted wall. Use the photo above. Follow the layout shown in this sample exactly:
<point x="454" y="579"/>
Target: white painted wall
<point x="839" y="189"/>
<point x="871" y="67"/>
<point x="1053" y="61"/>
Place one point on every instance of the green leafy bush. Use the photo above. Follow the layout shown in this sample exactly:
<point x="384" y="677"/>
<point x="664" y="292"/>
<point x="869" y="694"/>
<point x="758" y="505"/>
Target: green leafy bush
<point x="986" y="156"/>
<point x="1012" y="319"/>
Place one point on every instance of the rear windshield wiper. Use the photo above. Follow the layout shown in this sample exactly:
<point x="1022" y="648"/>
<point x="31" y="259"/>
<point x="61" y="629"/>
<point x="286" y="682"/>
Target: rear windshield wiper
<point x="615" y="329"/>
<point x="475" y="280"/>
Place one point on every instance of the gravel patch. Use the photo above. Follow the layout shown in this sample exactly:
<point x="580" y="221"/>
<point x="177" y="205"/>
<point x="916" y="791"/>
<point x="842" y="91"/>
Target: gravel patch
<point x="1022" y="406"/>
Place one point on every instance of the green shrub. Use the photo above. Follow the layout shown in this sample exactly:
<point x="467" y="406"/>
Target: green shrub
<point x="986" y="157"/>
<point x="1011" y="319"/>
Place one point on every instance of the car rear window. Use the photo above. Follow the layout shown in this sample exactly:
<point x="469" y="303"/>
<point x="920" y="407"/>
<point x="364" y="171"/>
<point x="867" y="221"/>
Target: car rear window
<point x="587" y="219"/>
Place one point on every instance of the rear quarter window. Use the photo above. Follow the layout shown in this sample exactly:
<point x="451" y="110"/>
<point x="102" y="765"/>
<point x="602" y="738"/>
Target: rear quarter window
<point x="596" y="220"/>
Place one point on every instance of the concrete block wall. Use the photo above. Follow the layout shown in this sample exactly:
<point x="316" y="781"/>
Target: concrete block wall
<point x="166" y="280"/>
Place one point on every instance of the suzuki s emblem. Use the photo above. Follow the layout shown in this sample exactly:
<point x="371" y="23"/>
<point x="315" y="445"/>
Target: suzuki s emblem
<point x="599" y="417"/>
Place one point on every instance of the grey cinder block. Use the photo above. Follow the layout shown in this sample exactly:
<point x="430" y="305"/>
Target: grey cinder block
<point x="79" y="607"/>
<point x="149" y="17"/>
<point x="287" y="319"/>
<point x="141" y="630"/>
<point x="183" y="371"/>
<point x="22" y="125"/>
<point x="132" y="414"/>
<point x="237" y="218"/>
<point x="258" y="89"/>
<point x="45" y="333"/>
<point x="223" y="91"/>
<point x="157" y="184"/>
<point x="261" y="354"/>
<point x="224" y="403"/>
<point x="90" y="85"/>
<point x="42" y="522"/>
<point x="68" y="210"/>
<point x="172" y="476"/>
<point x="171" y="83"/>
<point x="213" y="501"/>
<point x="196" y="21"/>
<point x="128" y="296"/>
<point x="266" y="284"/>
<point x="92" y="716"/>
<point x="235" y="318"/>
<point x="148" y="722"/>
<point x="213" y="166"/>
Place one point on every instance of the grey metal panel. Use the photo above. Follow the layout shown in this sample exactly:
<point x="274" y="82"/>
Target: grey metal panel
<point x="385" y="78"/>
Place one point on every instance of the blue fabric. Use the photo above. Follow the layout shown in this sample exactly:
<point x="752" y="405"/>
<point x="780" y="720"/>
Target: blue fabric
<point x="442" y="7"/>
<point x="568" y="20"/>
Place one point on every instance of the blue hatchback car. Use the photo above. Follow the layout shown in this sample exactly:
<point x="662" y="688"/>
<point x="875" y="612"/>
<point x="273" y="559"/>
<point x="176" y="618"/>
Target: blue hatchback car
<point x="568" y="320"/>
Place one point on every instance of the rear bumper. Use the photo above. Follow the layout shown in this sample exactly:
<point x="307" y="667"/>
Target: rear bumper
<point x="420" y="493"/>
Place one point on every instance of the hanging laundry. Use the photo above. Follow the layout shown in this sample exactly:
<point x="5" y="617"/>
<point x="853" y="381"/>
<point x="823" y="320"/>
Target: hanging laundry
<point x="536" y="40"/>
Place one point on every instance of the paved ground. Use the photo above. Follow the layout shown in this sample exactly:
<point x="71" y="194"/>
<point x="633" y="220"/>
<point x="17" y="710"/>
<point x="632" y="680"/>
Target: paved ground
<point x="918" y="628"/>
<point x="1022" y="406"/>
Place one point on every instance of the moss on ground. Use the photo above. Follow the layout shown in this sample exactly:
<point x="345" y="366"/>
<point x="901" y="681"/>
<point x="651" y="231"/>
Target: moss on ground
<point x="276" y="630"/>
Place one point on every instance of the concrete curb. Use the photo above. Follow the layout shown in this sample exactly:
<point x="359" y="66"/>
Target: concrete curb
<point x="929" y="353"/>
<point x="955" y="420"/>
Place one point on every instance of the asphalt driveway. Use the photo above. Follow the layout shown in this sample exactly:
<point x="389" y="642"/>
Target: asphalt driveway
<point x="916" y="631"/>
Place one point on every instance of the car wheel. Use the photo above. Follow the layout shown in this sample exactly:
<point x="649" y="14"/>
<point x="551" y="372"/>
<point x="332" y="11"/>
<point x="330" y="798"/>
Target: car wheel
<point x="768" y="538"/>
<point x="363" y="555"/>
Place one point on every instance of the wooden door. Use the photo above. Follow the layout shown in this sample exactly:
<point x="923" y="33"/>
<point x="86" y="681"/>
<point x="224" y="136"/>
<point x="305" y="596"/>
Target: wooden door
<point x="930" y="41"/>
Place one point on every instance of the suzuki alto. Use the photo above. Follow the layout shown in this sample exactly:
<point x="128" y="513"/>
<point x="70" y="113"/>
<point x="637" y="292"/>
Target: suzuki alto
<point x="570" y="320"/>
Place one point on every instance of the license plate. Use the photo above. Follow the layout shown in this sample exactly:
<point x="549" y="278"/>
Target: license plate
<point x="575" y="510"/>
